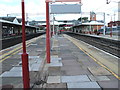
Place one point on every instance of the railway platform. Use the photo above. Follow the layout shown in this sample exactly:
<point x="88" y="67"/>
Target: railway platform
<point x="113" y="37"/>
<point x="74" y="65"/>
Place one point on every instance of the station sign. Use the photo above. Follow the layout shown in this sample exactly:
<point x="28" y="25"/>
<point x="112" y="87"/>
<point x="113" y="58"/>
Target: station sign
<point x="63" y="0"/>
<point x="65" y="9"/>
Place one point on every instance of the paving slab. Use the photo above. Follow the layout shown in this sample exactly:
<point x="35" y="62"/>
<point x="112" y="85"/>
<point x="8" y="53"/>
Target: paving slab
<point x="54" y="56"/>
<point x="55" y="46"/>
<point x="80" y="78"/>
<point x="60" y="86"/>
<point x="65" y="55"/>
<point x="75" y="72"/>
<point x="112" y="78"/>
<point x="98" y="78"/>
<point x="54" y="71"/>
<point x="11" y="74"/>
<point x="11" y="80"/>
<point x="39" y="50"/>
<point x="22" y="53"/>
<point x="70" y="62"/>
<point x="55" y="59"/>
<point x="15" y="69"/>
<point x="56" y="64"/>
<point x="99" y="71"/>
<point x="34" y="44"/>
<point x="108" y="84"/>
<point x="69" y="68"/>
<point x="54" y="79"/>
<point x="54" y="53"/>
<point x="35" y="67"/>
<point x="63" y="45"/>
<point x="69" y="58"/>
<point x="33" y="57"/>
<point x="85" y="85"/>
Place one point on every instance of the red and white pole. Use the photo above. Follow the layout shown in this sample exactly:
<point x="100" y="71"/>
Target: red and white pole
<point x="47" y="34"/>
<point x="25" y="65"/>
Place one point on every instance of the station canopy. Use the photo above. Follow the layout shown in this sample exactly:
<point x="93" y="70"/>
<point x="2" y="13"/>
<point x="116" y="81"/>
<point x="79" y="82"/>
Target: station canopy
<point x="63" y="0"/>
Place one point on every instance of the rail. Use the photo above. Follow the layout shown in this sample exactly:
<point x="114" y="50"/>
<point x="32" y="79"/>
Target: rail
<point x="108" y="45"/>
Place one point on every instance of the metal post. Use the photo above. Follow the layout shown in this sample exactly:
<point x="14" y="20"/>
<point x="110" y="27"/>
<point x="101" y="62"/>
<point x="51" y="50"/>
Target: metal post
<point x="25" y="68"/>
<point x="53" y="26"/>
<point x="111" y="31"/>
<point x="104" y="25"/>
<point x="47" y="34"/>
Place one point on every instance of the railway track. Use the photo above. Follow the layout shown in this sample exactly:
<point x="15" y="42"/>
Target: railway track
<point x="8" y="42"/>
<point x="110" y="46"/>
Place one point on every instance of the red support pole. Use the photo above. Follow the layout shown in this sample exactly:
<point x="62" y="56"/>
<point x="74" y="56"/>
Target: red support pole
<point x="47" y="34"/>
<point x="25" y="68"/>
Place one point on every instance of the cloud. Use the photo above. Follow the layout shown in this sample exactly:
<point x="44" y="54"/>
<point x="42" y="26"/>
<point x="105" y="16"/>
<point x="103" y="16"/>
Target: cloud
<point x="37" y="8"/>
<point x="7" y="0"/>
<point x="33" y="7"/>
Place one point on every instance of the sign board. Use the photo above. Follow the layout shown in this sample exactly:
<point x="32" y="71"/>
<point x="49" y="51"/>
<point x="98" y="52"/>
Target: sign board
<point x="65" y="8"/>
<point x="63" y="0"/>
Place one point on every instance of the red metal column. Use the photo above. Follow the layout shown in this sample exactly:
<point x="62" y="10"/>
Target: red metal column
<point x="25" y="68"/>
<point x="47" y="34"/>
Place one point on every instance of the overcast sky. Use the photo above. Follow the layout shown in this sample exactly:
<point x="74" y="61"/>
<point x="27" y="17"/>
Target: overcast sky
<point x="36" y="9"/>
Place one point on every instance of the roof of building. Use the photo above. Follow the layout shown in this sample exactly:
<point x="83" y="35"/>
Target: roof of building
<point x="11" y="19"/>
<point x="8" y="22"/>
<point x="93" y="23"/>
<point x="19" y="20"/>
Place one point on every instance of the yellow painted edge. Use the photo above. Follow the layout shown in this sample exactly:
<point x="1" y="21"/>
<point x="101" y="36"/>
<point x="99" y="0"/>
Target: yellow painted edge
<point x="95" y="60"/>
<point x="12" y="54"/>
<point x="20" y="48"/>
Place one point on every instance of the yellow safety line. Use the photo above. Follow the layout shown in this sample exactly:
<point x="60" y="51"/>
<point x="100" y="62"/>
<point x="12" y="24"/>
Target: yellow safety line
<point x="95" y="59"/>
<point x="12" y="54"/>
<point x="19" y="49"/>
<point x="9" y="56"/>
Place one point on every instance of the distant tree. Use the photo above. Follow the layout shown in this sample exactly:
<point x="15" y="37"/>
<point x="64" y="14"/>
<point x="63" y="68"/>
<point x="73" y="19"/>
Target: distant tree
<point x="84" y="19"/>
<point x="65" y="21"/>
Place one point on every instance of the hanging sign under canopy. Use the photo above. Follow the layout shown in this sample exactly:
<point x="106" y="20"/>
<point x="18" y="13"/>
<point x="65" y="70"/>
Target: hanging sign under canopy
<point x="63" y="0"/>
<point x="65" y="9"/>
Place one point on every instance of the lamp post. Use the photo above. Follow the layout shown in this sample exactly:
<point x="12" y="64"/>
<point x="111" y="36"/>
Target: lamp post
<point x="111" y="24"/>
<point x="25" y="68"/>
<point x="104" y="24"/>
<point x="53" y="25"/>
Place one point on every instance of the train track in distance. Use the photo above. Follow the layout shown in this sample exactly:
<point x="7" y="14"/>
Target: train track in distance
<point x="110" y="46"/>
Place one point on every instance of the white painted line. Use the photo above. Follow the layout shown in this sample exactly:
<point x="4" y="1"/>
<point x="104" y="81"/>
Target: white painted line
<point x="100" y="50"/>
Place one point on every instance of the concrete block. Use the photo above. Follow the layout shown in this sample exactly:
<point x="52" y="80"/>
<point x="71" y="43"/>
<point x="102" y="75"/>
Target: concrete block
<point x="61" y="86"/>
<point x="35" y="67"/>
<point x="98" y="78"/>
<point x="80" y="78"/>
<point x="16" y="69"/>
<point x="99" y="71"/>
<point x="85" y="85"/>
<point x="33" y="57"/>
<point x="11" y="74"/>
<point x="108" y="84"/>
<point x="54" y="79"/>
<point x="56" y="64"/>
